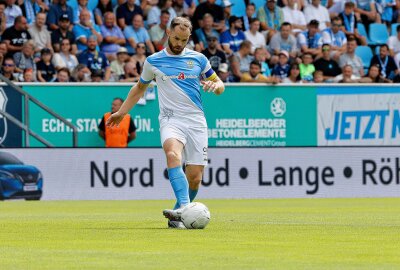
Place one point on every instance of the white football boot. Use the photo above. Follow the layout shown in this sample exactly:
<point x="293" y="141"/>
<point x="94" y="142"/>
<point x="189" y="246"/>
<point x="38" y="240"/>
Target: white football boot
<point x="173" y="215"/>
<point x="176" y="225"/>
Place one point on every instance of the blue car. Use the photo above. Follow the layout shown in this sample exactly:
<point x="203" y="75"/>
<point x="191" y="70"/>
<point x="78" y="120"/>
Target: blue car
<point x="17" y="180"/>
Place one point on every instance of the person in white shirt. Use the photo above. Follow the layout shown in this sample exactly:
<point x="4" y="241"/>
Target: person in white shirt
<point x="394" y="46"/>
<point x="12" y="11"/>
<point x="39" y="33"/>
<point x="316" y="11"/>
<point x="254" y="36"/>
<point x="294" y="17"/>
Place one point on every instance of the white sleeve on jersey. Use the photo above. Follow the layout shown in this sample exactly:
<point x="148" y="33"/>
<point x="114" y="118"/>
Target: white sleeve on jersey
<point x="147" y="74"/>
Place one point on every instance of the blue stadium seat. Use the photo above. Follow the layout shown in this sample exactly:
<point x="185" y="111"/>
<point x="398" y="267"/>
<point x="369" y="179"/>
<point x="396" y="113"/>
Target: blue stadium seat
<point x="365" y="53"/>
<point x="258" y="3"/>
<point x="362" y="31"/>
<point x="377" y="48"/>
<point x="239" y="8"/>
<point x="394" y="27"/>
<point x="378" y="33"/>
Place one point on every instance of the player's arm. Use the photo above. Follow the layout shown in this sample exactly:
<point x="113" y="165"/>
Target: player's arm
<point x="134" y="95"/>
<point x="213" y="84"/>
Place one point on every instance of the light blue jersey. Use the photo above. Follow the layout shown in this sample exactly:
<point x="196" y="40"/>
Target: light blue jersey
<point x="178" y="81"/>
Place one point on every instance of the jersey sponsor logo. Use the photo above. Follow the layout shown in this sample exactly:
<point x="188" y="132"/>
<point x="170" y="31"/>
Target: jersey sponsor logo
<point x="180" y="76"/>
<point x="190" y="64"/>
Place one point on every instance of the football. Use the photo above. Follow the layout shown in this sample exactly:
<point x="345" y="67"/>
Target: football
<point x="195" y="216"/>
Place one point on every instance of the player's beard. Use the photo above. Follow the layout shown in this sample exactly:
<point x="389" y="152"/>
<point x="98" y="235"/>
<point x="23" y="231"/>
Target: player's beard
<point x="173" y="49"/>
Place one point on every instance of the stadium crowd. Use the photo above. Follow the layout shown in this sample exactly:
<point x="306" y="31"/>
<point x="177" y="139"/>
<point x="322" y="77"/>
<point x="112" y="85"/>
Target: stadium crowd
<point x="281" y="41"/>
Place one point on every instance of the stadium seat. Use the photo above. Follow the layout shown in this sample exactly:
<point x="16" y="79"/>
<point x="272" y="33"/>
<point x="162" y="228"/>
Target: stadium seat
<point x="365" y="53"/>
<point x="378" y="33"/>
<point x="394" y="27"/>
<point x="377" y="48"/>
<point x="239" y="8"/>
<point x="362" y="31"/>
<point x="258" y="3"/>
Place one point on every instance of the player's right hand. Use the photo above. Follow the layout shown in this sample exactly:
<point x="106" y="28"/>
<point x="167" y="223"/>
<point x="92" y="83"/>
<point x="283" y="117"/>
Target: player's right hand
<point x="114" y="119"/>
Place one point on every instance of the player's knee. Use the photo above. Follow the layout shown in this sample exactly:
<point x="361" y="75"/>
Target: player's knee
<point x="194" y="183"/>
<point x="173" y="156"/>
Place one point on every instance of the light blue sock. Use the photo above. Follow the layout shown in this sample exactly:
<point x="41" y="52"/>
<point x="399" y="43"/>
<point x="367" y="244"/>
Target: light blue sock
<point x="179" y="184"/>
<point x="192" y="194"/>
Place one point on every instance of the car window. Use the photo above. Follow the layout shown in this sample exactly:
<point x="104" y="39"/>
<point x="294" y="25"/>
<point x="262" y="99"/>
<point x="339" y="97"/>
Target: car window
<point x="6" y="159"/>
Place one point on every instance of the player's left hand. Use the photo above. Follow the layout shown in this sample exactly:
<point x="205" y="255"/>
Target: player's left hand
<point x="209" y="86"/>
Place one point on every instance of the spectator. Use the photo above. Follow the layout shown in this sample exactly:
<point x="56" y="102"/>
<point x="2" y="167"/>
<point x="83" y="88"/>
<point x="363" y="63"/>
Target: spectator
<point x="335" y="38"/>
<point x="16" y="35"/>
<point x="271" y="18"/>
<point x="64" y="58"/>
<point x="28" y="76"/>
<point x="350" y="58"/>
<point x="30" y="9"/>
<point x="261" y="55"/>
<point x="25" y="58"/>
<point x="385" y="62"/>
<point x="113" y="37"/>
<point x="307" y="68"/>
<point x="153" y="17"/>
<point x="227" y="8"/>
<point x="3" y="51"/>
<point x="213" y="54"/>
<point x="316" y="11"/>
<point x="8" y="69"/>
<point x="386" y="10"/>
<point x="139" y="57"/>
<point x="240" y="60"/>
<point x="216" y="11"/>
<point x="117" y="66"/>
<point x="318" y="76"/>
<point x="103" y="6"/>
<point x="329" y="67"/>
<point x="294" y="16"/>
<point x="125" y="13"/>
<point x="294" y="74"/>
<point x="45" y="69"/>
<point x="39" y="33"/>
<point x="3" y="18"/>
<point x="311" y="41"/>
<point x="158" y="33"/>
<point x="82" y="5"/>
<point x="350" y="23"/>
<point x="57" y="10"/>
<point x="85" y="29"/>
<point x="63" y="32"/>
<point x="347" y="75"/>
<point x="184" y="7"/>
<point x="254" y="75"/>
<point x="121" y="134"/>
<point x="136" y="33"/>
<point x="223" y="72"/>
<point x="367" y="12"/>
<point x="94" y="59"/>
<point x="206" y="30"/>
<point x="130" y="73"/>
<point x="96" y="76"/>
<point x="394" y="46"/>
<point x="63" y="75"/>
<point x="374" y="76"/>
<point x="12" y="11"/>
<point x="283" y="41"/>
<point x="233" y="37"/>
<point x="254" y="36"/>
<point x="81" y="73"/>
<point x="250" y="14"/>
<point x="281" y="70"/>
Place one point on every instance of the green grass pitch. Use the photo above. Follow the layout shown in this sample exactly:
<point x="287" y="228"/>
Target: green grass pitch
<point x="242" y="234"/>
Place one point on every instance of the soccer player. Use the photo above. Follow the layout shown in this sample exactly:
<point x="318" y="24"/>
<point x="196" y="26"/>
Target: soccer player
<point x="179" y="74"/>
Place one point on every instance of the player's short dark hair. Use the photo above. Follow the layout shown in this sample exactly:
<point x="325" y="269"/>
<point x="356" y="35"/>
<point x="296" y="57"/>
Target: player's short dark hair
<point x="384" y="46"/>
<point x="182" y="22"/>
<point x="351" y="38"/>
<point x="164" y="11"/>
<point x="64" y="69"/>
<point x="254" y="20"/>
<point x="349" y="4"/>
<point x="286" y="24"/>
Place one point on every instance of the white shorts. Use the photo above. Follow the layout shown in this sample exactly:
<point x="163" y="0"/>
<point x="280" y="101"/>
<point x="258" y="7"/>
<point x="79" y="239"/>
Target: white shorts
<point x="194" y="139"/>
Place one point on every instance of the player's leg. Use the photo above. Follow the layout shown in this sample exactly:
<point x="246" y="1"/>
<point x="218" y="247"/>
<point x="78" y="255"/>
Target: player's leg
<point x="173" y="152"/>
<point x="194" y="174"/>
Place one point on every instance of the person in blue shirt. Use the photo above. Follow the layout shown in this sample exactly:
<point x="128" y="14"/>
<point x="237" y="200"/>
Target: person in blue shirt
<point x="233" y="37"/>
<point x="335" y="38"/>
<point x="136" y="33"/>
<point x="56" y="12"/>
<point x="96" y="61"/>
<point x="310" y="41"/>
<point x="85" y="29"/>
<point x="281" y="70"/>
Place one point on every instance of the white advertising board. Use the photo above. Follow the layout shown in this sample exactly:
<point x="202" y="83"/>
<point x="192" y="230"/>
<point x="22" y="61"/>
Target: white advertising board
<point x="128" y="174"/>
